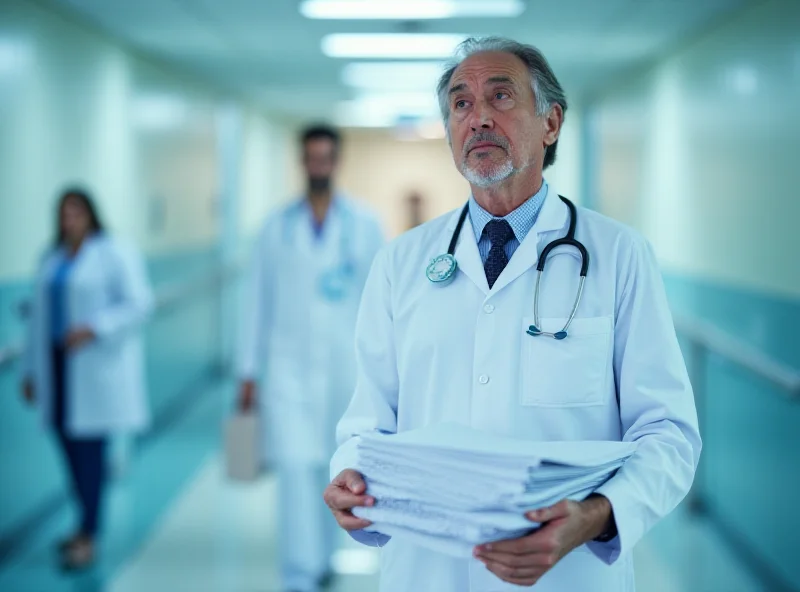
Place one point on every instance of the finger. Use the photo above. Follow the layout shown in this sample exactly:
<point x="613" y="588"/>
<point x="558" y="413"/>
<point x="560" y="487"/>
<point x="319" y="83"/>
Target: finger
<point x="341" y="499"/>
<point x="355" y="483"/>
<point x="521" y="546"/>
<point x="520" y="578"/>
<point x="559" y="510"/>
<point x="541" y="542"/>
<point x="541" y="561"/>
<point x="349" y="522"/>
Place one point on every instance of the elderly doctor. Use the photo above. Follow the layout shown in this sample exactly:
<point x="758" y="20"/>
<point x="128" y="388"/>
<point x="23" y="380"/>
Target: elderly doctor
<point x="309" y="267"/>
<point x="482" y="349"/>
<point x="84" y="357"/>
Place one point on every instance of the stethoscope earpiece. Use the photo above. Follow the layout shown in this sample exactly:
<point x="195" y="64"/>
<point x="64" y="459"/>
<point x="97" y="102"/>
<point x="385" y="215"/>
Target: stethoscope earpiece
<point x="535" y="331"/>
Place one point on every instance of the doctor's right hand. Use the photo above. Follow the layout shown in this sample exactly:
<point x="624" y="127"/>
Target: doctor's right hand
<point x="347" y="491"/>
<point x="247" y="396"/>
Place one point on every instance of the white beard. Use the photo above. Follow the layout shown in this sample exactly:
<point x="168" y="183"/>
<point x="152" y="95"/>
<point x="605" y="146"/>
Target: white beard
<point x="496" y="175"/>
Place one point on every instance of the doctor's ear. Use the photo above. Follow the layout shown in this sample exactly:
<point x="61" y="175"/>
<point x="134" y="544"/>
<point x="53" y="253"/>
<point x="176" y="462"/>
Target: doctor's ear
<point x="552" y="124"/>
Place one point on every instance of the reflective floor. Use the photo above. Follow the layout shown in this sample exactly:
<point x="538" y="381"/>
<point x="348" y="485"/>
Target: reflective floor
<point x="174" y="523"/>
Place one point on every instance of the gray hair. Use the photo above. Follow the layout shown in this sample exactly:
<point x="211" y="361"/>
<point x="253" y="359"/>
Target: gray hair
<point x="547" y="91"/>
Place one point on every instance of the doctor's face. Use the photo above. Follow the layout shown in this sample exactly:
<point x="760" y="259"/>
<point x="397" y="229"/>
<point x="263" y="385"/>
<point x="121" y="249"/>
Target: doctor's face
<point x="319" y="160"/>
<point x="493" y="127"/>
<point x="74" y="219"/>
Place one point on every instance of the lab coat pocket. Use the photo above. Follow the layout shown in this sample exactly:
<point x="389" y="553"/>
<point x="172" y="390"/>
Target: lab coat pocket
<point x="572" y="372"/>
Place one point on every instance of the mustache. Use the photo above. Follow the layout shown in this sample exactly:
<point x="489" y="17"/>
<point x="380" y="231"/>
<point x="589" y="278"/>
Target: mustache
<point x="486" y="137"/>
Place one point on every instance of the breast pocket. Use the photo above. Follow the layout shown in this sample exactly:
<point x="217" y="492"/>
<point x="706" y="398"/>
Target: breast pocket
<point x="572" y="372"/>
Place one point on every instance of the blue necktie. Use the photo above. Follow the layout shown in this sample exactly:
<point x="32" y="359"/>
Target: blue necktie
<point x="499" y="233"/>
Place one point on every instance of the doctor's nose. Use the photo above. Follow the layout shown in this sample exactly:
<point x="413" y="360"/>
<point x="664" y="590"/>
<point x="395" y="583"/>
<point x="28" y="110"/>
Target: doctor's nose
<point x="481" y="119"/>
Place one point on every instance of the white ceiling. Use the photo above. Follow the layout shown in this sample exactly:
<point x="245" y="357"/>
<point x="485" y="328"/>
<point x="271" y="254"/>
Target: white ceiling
<point x="268" y="51"/>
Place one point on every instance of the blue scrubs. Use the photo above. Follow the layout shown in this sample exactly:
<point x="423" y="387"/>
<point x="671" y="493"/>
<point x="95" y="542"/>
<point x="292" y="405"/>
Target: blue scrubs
<point x="84" y="456"/>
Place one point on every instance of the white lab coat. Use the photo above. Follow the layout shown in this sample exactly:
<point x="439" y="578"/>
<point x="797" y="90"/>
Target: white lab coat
<point x="296" y="340"/>
<point x="428" y="353"/>
<point x="109" y="292"/>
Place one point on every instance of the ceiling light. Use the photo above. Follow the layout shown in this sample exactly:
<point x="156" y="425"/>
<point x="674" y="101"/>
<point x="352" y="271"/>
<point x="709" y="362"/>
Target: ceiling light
<point x="391" y="76"/>
<point x="386" y="109"/>
<point x="390" y="45"/>
<point x="410" y="9"/>
<point x="157" y="111"/>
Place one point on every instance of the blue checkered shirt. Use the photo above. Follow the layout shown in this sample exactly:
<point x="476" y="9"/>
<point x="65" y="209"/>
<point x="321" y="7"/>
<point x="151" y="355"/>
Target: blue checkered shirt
<point x="521" y="220"/>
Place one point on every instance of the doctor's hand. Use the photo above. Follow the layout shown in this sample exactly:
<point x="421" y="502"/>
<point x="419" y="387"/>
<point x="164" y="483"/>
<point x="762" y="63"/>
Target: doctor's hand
<point x="344" y="493"/>
<point x="247" y="396"/>
<point x="79" y="337"/>
<point x="564" y="526"/>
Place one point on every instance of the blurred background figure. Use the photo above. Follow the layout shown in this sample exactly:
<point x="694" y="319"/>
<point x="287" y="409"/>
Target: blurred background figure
<point x="83" y="360"/>
<point x="308" y="269"/>
<point x="415" y="209"/>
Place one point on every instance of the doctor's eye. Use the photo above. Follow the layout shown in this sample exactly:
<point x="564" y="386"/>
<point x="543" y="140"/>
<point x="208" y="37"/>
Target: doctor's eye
<point x="500" y="95"/>
<point x="460" y="104"/>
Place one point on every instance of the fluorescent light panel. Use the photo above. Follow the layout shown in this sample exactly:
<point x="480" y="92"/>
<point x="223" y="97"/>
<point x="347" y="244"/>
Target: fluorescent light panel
<point x="410" y="9"/>
<point x="375" y="109"/>
<point x="390" y="45"/>
<point x="392" y="76"/>
<point x="155" y="111"/>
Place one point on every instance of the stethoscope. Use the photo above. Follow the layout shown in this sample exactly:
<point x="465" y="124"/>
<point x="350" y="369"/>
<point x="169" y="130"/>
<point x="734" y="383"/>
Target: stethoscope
<point x="333" y="283"/>
<point x="442" y="268"/>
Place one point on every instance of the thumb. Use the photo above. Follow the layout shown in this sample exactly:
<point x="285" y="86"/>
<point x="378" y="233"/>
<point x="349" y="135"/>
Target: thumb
<point x="560" y="510"/>
<point x="355" y="483"/>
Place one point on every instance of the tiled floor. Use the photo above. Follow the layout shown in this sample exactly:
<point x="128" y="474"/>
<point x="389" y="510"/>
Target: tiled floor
<point x="175" y="523"/>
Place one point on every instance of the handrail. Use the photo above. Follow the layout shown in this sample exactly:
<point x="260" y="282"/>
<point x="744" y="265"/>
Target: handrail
<point x="165" y="298"/>
<point x="9" y="354"/>
<point x="717" y="341"/>
<point x="700" y="332"/>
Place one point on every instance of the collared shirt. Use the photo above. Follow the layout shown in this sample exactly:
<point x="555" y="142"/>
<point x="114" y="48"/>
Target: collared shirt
<point x="521" y="220"/>
<point x="317" y="227"/>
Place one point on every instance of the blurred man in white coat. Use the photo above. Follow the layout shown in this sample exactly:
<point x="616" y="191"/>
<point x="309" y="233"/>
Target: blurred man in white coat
<point x="587" y="353"/>
<point x="308" y="271"/>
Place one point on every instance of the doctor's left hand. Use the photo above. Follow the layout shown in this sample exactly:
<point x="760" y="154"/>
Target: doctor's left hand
<point x="564" y="526"/>
<point x="79" y="337"/>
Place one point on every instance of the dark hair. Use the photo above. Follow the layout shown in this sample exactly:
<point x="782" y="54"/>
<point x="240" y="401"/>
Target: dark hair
<point x="321" y="131"/>
<point x="77" y="193"/>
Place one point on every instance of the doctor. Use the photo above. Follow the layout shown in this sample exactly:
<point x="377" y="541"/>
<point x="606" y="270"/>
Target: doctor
<point x="83" y="361"/>
<point x="308" y="271"/>
<point x="481" y="348"/>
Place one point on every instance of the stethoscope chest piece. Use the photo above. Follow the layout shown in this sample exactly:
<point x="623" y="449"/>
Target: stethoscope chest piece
<point x="334" y="283"/>
<point x="441" y="269"/>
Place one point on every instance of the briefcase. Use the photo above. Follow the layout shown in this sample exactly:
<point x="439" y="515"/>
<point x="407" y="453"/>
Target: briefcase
<point x="242" y="447"/>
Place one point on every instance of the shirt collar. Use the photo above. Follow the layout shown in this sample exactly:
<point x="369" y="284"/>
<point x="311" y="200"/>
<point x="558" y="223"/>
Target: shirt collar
<point x="521" y="220"/>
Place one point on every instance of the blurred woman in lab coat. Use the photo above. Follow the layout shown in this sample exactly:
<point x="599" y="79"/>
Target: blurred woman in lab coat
<point x="83" y="363"/>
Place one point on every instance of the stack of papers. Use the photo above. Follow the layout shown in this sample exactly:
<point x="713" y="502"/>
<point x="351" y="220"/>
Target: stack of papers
<point x="450" y="487"/>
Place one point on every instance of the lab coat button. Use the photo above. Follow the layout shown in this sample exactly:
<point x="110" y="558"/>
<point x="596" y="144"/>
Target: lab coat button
<point x="488" y="309"/>
<point x="483" y="379"/>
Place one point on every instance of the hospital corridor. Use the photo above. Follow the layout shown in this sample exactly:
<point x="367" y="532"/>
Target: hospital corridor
<point x="232" y="249"/>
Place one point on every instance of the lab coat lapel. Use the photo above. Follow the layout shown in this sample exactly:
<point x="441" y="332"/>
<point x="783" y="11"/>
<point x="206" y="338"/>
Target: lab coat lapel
<point x="314" y="253"/>
<point x="467" y="255"/>
<point x="553" y="216"/>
